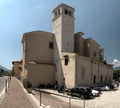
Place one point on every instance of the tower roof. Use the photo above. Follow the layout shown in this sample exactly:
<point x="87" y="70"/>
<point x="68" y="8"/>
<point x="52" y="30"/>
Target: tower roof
<point x="63" y="5"/>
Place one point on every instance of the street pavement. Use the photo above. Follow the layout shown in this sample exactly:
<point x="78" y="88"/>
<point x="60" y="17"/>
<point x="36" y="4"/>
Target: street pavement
<point x="16" y="97"/>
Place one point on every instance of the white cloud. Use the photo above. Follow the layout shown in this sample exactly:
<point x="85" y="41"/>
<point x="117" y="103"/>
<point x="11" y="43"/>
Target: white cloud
<point x="116" y="63"/>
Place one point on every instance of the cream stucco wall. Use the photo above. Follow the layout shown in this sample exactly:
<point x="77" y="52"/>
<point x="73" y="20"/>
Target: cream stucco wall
<point x="36" y="50"/>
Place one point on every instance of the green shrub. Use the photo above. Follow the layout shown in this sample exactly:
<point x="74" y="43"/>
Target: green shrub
<point x="27" y="83"/>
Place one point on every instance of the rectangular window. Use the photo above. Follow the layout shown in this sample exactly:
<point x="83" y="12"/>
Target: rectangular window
<point x="94" y="79"/>
<point x="101" y="78"/>
<point x="51" y="45"/>
<point x="70" y="13"/>
<point x="55" y="13"/>
<point x="66" y="58"/>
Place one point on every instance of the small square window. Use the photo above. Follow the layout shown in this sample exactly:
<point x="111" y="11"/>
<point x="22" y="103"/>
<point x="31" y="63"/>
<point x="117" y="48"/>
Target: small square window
<point x="66" y="58"/>
<point x="58" y="11"/>
<point x="51" y="45"/>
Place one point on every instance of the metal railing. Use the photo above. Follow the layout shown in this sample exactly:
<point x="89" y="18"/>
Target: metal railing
<point x="58" y="100"/>
<point x="62" y="100"/>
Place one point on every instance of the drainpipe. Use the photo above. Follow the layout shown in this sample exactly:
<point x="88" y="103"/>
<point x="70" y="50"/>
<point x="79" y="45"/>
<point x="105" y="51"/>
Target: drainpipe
<point x="108" y="74"/>
<point x="91" y="69"/>
<point x="98" y="72"/>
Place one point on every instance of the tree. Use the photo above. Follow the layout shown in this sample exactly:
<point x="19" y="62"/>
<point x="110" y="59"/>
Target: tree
<point x="116" y="75"/>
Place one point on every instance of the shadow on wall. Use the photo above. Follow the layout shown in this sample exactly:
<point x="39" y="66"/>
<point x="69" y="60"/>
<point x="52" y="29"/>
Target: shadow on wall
<point x="60" y="78"/>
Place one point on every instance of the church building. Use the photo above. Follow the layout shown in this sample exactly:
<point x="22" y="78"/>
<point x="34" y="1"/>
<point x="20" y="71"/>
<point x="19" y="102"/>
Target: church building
<point x="63" y="56"/>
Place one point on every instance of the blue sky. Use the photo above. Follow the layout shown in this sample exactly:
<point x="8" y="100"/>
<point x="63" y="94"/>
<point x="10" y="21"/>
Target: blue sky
<point x="98" y="19"/>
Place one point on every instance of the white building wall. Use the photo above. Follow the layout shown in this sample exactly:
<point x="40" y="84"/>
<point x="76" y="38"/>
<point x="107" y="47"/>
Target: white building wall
<point x="69" y="70"/>
<point x="110" y="74"/>
<point x="56" y="29"/>
<point x="59" y="73"/>
<point x="86" y="70"/>
<point x="67" y="33"/>
<point x="95" y="71"/>
<point x="103" y="73"/>
<point x="83" y="71"/>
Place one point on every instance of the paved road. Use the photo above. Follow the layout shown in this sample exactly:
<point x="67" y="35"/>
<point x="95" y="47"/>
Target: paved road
<point x="17" y="97"/>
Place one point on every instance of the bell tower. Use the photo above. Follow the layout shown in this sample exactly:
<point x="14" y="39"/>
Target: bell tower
<point x="63" y="27"/>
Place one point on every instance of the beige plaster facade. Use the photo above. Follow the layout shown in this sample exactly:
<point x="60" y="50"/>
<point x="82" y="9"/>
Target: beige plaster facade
<point x="62" y="56"/>
<point x="41" y="73"/>
<point x="89" y="72"/>
<point x="17" y="67"/>
<point x="38" y="64"/>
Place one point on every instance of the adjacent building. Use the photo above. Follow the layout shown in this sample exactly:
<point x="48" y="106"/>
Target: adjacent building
<point x="63" y="57"/>
<point x="17" y="68"/>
